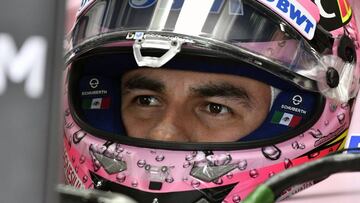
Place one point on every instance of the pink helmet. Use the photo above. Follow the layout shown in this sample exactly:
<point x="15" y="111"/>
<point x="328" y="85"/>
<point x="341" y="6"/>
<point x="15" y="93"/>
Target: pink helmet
<point x="305" y="51"/>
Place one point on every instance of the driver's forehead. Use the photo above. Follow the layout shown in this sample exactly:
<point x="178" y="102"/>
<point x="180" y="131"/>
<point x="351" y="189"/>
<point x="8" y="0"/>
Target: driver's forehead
<point x="189" y="79"/>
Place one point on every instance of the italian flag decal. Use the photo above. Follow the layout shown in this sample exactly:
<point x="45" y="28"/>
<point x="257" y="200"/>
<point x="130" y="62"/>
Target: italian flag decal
<point x="287" y="119"/>
<point x="96" y="103"/>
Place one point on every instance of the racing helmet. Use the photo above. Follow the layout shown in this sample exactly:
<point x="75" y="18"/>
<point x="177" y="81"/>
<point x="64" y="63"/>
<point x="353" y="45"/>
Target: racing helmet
<point x="305" y="51"/>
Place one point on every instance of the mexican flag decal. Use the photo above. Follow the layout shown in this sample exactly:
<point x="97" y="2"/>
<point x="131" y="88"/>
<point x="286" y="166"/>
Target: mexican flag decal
<point x="287" y="119"/>
<point x="96" y="103"/>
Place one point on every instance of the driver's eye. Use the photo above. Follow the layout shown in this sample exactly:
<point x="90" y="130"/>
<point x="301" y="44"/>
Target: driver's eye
<point x="147" y="100"/>
<point x="214" y="108"/>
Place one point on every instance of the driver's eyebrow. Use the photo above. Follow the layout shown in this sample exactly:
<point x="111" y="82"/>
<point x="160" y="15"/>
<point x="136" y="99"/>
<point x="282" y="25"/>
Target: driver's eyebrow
<point x="222" y="89"/>
<point x="143" y="82"/>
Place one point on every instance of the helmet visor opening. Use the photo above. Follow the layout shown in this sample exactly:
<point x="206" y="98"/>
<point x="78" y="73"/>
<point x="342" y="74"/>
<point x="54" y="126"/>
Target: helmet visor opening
<point x="96" y="96"/>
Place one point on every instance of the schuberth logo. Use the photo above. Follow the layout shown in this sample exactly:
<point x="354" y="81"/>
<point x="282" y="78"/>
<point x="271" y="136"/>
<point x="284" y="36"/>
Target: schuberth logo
<point x="297" y="99"/>
<point x="94" y="83"/>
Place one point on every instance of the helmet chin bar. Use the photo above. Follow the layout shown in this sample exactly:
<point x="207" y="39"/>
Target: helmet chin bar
<point x="172" y="45"/>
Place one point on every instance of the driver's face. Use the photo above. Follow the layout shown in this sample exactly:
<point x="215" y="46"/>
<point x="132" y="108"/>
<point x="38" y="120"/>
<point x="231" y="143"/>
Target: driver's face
<point x="185" y="106"/>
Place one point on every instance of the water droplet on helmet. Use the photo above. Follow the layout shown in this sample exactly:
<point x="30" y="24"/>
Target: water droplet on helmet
<point x="218" y="181"/>
<point x="85" y="179"/>
<point x="187" y="164"/>
<point x="141" y="163"/>
<point x="326" y="123"/>
<point x="78" y="136"/>
<point x="288" y="163"/>
<point x="118" y="148"/>
<point x="341" y="118"/>
<point x="253" y="173"/>
<point x="315" y="133"/>
<point x="169" y="179"/>
<point x="194" y="153"/>
<point x="271" y="152"/>
<point x="147" y="167"/>
<point x="121" y="177"/>
<point x="97" y="165"/>
<point x="82" y="159"/>
<point x="282" y="43"/>
<point x="333" y="107"/>
<point x="160" y="158"/>
<point x="271" y="174"/>
<point x="134" y="183"/>
<point x="236" y="199"/>
<point x="242" y="165"/>
<point x="269" y="52"/>
<point x="67" y="112"/>
<point x="345" y="106"/>
<point x="313" y="155"/>
<point x="195" y="184"/>
<point x="230" y="175"/>
<point x="295" y="145"/>
<point x="189" y="157"/>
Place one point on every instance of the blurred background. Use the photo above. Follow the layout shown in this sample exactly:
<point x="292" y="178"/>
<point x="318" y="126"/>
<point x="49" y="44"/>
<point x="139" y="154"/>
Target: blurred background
<point x="31" y="38"/>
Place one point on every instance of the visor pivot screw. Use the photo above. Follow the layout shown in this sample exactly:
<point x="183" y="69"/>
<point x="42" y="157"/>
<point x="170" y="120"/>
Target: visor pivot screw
<point x="174" y="43"/>
<point x="332" y="77"/>
<point x="147" y="167"/>
<point x="139" y="41"/>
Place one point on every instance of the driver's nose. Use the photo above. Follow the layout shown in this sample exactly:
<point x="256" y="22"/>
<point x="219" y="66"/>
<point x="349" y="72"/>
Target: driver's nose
<point x="171" y="127"/>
